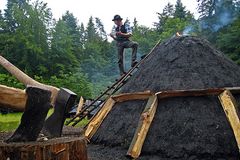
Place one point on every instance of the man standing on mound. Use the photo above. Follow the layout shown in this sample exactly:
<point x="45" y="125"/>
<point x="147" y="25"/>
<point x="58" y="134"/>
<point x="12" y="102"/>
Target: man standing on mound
<point x="121" y="33"/>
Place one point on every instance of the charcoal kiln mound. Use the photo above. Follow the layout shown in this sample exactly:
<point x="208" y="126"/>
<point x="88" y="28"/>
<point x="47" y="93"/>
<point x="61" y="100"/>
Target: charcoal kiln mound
<point x="183" y="126"/>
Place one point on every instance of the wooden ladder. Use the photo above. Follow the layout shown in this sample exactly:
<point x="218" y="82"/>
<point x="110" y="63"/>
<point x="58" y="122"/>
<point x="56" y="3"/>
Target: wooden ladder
<point x="108" y="92"/>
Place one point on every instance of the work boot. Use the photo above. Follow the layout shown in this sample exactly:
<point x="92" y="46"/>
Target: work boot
<point x="122" y="73"/>
<point x="134" y="63"/>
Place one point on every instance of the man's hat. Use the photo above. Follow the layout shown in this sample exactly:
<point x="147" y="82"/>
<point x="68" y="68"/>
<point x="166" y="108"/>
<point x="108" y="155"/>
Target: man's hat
<point x="117" y="17"/>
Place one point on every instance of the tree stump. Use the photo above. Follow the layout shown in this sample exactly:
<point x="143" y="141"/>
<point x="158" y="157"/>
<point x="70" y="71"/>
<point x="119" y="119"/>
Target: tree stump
<point x="65" y="148"/>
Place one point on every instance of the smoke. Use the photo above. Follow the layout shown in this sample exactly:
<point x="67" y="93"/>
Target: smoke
<point x="188" y="30"/>
<point x="223" y="15"/>
<point x="224" y="19"/>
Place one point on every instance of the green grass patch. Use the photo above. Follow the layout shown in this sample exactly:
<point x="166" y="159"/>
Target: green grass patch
<point x="82" y="123"/>
<point x="9" y="122"/>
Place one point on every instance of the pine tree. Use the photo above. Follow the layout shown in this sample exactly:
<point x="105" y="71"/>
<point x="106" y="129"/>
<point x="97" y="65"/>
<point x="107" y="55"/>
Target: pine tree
<point x="74" y="33"/>
<point x="180" y="10"/>
<point x="163" y="16"/>
<point x="62" y="58"/>
<point x="91" y="30"/>
<point x="82" y="34"/>
<point x="100" y="29"/>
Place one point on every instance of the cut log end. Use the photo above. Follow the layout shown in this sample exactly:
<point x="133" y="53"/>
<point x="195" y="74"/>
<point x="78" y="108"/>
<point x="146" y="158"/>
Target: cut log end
<point x="73" y="148"/>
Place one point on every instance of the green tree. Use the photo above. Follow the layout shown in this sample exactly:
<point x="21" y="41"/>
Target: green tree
<point x="174" y="19"/>
<point x="180" y="11"/>
<point x="26" y="38"/>
<point x="74" y="33"/>
<point x="146" y="37"/>
<point x="228" y="40"/>
<point x="163" y="17"/>
<point x="62" y="58"/>
<point x="82" y="34"/>
<point x="100" y="29"/>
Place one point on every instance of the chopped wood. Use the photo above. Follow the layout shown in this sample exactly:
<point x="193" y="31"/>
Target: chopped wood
<point x="143" y="127"/>
<point x="98" y="118"/>
<point x="230" y="108"/>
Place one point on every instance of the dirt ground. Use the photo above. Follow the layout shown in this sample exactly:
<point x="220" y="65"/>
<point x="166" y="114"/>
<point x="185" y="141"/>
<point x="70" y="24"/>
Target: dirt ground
<point x="100" y="152"/>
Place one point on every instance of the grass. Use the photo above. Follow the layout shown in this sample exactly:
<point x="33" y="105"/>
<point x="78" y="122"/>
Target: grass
<point x="9" y="122"/>
<point x="80" y="124"/>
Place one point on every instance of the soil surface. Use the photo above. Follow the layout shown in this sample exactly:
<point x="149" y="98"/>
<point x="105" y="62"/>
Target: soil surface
<point x="183" y="128"/>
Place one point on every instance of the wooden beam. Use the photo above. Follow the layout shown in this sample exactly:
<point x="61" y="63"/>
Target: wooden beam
<point x="132" y="96"/>
<point x="98" y="118"/>
<point x="187" y="93"/>
<point x="12" y="98"/>
<point x="233" y="90"/>
<point x="143" y="126"/>
<point x="230" y="108"/>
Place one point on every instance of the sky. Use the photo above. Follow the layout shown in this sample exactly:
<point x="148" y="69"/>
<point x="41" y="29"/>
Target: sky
<point x="143" y="10"/>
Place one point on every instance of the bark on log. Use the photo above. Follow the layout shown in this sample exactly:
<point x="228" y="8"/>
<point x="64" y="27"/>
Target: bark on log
<point x="66" y="148"/>
<point x="12" y="98"/>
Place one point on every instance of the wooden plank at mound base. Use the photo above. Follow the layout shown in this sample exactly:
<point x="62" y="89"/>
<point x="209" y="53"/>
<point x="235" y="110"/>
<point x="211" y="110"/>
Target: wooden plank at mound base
<point x="192" y="92"/>
<point x="143" y="126"/>
<point x="230" y="107"/>
<point x="66" y="148"/>
<point x="12" y="98"/>
<point x="98" y="118"/>
<point x="132" y="96"/>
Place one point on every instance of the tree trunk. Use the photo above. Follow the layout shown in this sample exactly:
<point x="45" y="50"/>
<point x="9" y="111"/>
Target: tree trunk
<point x="66" y="148"/>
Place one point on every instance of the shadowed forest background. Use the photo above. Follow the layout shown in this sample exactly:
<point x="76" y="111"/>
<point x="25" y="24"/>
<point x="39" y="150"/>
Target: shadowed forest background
<point x="65" y="53"/>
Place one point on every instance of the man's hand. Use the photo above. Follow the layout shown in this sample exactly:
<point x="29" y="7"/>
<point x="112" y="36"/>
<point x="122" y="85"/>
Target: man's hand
<point x="127" y="35"/>
<point x="112" y="35"/>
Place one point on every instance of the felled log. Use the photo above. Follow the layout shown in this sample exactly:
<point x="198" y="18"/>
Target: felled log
<point x="12" y="98"/>
<point x="66" y="148"/>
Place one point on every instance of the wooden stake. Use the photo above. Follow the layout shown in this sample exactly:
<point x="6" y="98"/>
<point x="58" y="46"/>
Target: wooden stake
<point x="143" y="126"/>
<point x="80" y="105"/>
<point x="98" y="119"/>
<point x="230" y="108"/>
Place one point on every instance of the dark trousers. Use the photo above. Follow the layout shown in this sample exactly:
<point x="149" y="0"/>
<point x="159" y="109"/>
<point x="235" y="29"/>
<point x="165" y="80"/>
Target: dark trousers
<point x="121" y="46"/>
